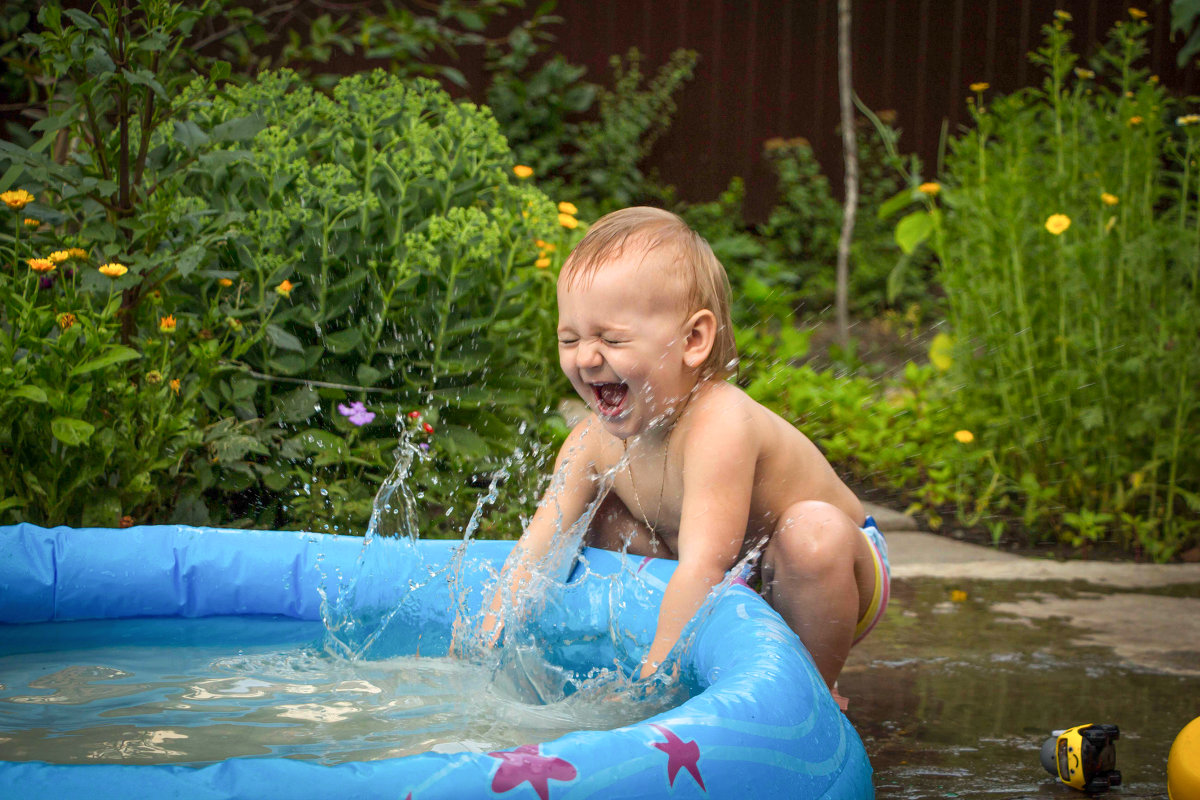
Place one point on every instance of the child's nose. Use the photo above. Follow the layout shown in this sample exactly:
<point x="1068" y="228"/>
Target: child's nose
<point x="589" y="354"/>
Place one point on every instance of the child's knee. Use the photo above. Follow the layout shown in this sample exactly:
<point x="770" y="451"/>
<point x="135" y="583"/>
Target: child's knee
<point x="812" y="539"/>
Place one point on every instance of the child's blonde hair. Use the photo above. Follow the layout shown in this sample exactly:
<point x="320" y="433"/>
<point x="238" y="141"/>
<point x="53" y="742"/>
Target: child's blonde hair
<point x="706" y="286"/>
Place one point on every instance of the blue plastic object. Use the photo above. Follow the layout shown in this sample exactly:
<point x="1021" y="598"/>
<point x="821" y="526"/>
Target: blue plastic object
<point x="764" y="724"/>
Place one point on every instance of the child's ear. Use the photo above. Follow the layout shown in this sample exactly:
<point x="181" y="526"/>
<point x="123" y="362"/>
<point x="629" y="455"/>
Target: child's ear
<point x="701" y="334"/>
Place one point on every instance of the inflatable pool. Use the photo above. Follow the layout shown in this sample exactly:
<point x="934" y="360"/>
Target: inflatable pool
<point x="761" y="722"/>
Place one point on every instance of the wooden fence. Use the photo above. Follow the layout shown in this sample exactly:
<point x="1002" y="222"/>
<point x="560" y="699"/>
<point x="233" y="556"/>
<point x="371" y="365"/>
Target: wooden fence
<point x="769" y="68"/>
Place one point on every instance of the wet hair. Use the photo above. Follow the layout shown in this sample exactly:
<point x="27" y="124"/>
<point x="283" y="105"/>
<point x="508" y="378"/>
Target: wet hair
<point x="704" y="282"/>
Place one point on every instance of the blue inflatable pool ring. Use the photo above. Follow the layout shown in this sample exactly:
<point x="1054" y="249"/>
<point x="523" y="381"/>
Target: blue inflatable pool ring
<point x="763" y="725"/>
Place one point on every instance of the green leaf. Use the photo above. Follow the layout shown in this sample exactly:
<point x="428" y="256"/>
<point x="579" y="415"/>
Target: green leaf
<point x="82" y="20"/>
<point x="115" y="355"/>
<point x="34" y="394"/>
<point x="239" y="130"/>
<point x="70" y="431"/>
<point x="102" y="511"/>
<point x="343" y="341"/>
<point x="283" y="340"/>
<point x="189" y="134"/>
<point x="299" y="405"/>
<point x="188" y="260"/>
<point x="913" y="229"/>
<point x="895" y="203"/>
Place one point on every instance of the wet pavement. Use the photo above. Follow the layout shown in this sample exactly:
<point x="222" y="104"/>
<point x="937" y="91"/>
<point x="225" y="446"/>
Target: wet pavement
<point x="982" y="653"/>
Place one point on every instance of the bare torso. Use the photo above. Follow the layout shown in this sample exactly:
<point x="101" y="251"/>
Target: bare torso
<point x="787" y="467"/>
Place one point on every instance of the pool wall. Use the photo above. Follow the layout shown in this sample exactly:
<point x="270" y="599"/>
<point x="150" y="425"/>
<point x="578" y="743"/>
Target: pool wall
<point x="764" y="722"/>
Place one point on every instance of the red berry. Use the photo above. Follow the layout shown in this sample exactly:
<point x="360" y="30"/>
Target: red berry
<point x="428" y="428"/>
<point x="414" y="415"/>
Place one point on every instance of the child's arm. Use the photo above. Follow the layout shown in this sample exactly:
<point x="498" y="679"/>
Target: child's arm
<point x="719" y="461"/>
<point x="571" y="489"/>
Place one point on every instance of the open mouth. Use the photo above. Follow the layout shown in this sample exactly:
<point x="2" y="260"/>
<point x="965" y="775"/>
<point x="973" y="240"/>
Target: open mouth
<point x="610" y="398"/>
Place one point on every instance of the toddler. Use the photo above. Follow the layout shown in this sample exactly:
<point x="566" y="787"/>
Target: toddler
<point x="697" y="470"/>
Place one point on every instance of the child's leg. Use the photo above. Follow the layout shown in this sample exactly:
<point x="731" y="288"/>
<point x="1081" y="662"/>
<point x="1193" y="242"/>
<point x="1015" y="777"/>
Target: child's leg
<point x="819" y="574"/>
<point x="614" y="527"/>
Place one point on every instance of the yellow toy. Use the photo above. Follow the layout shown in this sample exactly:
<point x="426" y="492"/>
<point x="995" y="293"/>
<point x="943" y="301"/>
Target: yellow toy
<point x="1084" y="757"/>
<point x="1183" y="764"/>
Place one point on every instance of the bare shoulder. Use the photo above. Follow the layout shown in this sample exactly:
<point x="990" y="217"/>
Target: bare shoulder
<point x="722" y="415"/>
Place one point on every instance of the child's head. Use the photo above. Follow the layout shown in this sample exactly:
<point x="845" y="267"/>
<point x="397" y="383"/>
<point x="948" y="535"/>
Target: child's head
<point x="693" y="270"/>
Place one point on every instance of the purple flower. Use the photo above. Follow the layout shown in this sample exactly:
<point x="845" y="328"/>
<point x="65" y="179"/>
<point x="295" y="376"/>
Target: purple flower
<point x="46" y="281"/>
<point x="424" y="446"/>
<point x="357" y="413"/>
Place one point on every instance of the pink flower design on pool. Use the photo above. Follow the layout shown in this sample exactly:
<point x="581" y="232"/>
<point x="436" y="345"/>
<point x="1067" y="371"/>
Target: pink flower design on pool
<point x="679" y="754"/>
<point x="525" y="763"/>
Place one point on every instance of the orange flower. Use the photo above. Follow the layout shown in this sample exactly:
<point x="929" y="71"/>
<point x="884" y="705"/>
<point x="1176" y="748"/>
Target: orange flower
<point x="16" y="199"/>
<point x="966" y="437"/>
<point x="1057" y="223"/>
<point x="30" y="222"/>
<point x="929" y="189"/>
<point x="1109" y="199"/>
<point x="568" y="208"/>
<point x="225" y="282"/>
<point x="76" y="252"/>
<point x="65" y="320"/>
<point x="126" y="521"/>
<point x="41" y="264"/>
<point x="59" y="256"/>
<point x="167" y="324"/>
<point x="1135" y="120"/>
<point x="982" y="86"/>
<point x="285" y="289"/>
<point x="567" y="221"/>
<point x="175" y="385"/>
<point x="1137" y="13"/>
<point x="113" y="269"/>
<point x="542" y="263"/>
<point x="522" y="171"/>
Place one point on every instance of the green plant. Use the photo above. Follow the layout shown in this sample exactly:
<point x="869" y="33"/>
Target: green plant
<point x="104" y="364"/>
<point x="1067" y="234"/>
<point x="418" y="285"/>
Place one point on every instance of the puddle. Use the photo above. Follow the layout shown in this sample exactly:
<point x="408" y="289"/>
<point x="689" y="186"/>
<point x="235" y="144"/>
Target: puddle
<point x="954" y="692"/>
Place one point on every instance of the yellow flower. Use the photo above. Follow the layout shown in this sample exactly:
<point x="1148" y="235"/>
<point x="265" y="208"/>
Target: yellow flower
<point x="113" y="269"/>
<point x="546" y="247"/>
<point x="958" y="596"/>
<point x="1057" y="223"/>
<point x="1084" y="74"/>
<point x="76" y="252"/>
<point x="1063" y="16"/>
<point x="285" y="289"/>
<point x="1137" y="13"/>
<point x="30" y="222"/>
<point x="981" y="86"/>
<point x="522" y="171"/>
<point x="940" y="350"/>
<point x="167" y="324"/>
<point x="966" y="437"/>
<point x="65" y="320"/>
<point x="175" y="385"/>
<point x="568" y="208"/>
<point x="1135" y="120"/>
<point x="41" y="264"/>
<point x="1187" y="119"/>
<point x="1109" y="199"/>
<point x="542" y="263"/>
<point x="59" y="256"/>
<point x="567" y="221"/>
<point x="154" y="377"/>
<point x="16" y="199"/>
<point x="225" y="282"/>
<point x="930" y="189"/>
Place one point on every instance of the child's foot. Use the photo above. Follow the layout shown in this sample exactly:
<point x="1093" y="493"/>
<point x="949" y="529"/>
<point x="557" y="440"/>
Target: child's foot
<point x="842" y="702"/>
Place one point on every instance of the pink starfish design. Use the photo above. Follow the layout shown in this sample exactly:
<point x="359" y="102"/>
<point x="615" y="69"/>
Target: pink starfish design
<point x="680" y="754"/>
<point x="526" y="764"/>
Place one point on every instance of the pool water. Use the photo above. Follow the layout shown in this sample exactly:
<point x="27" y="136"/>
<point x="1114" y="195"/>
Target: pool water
<point x="198" y="691"/>
<point x="953" y="699"/>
